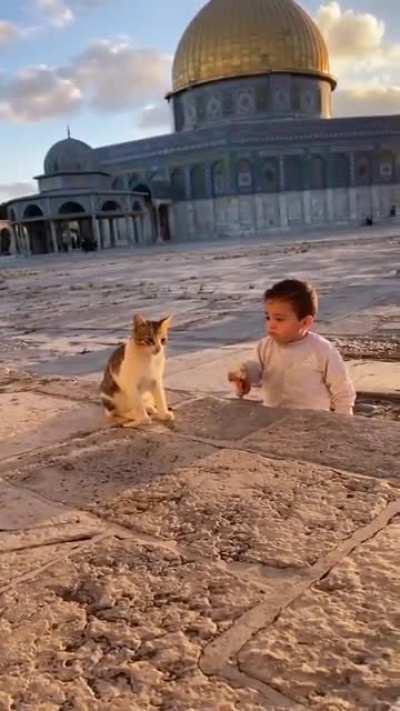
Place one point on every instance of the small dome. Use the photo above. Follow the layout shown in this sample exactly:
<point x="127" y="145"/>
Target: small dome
<point x="69" y="156"/>
<point x="234" y="38"/>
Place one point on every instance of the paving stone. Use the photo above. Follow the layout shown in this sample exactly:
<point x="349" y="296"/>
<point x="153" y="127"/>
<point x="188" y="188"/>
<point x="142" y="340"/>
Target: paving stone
<point x="337" y="646"/>
<point x="347" y="443"/>
<point x="120" y="626"/>
<point x="245" y="509"/>
<point x="34" y="420"/>
<point x="228" y="420"/>
<point x="102" y="465"/>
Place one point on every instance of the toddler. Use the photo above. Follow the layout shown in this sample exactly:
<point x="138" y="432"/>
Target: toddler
<point x="296" y="367"/>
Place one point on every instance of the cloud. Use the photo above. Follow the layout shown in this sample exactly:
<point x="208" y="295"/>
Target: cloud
<point x="107" y="76"/>
<point x="58" y="13"/>
<point x="349" y="33"/>
<point x="14" y="190"/>
<point x="115" y="76"/>
<point x="61" y="14"/>
<point x="37" y="93"/>
<point x="363" y="60"/>
<point x="371" y="101"/>
<point x="8" y="32"/>
<point x="155" y="116"/>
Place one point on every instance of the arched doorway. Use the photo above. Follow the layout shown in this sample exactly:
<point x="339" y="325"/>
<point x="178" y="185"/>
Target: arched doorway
<point x="77" y="224"/>
<point x="165" y="232"/>
<point x="5" y="241"/>
<point x="149" y="226"/>
<point x="113" y="207"/>
<point x="39" y="235"/>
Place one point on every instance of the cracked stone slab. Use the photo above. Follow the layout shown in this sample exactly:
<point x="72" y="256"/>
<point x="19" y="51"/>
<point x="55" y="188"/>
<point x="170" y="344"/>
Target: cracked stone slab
<point x="121" y="626"/>
<point x="33" y="531"/>
<point x="100" y="466"/>
<point x="249" y="511"/>
<point x="348" y="443"/>
<point x="23" y="564"/>
<point x="21" y="510"/>
<point x="226" y="420"/>
<point x="337" y="646"/>
<point x="34" y="420"/>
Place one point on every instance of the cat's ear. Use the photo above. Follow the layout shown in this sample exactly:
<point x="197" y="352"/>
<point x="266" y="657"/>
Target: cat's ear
<point x="164" y="324"/>
<point x="138" y="321"/>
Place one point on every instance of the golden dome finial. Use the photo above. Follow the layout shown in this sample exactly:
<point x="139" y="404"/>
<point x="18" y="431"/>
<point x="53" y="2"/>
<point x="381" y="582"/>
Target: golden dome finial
<point x="234" y="38"/>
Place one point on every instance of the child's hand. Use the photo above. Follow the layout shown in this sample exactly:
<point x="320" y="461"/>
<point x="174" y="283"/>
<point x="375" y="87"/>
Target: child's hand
<point x="241" y="382"/>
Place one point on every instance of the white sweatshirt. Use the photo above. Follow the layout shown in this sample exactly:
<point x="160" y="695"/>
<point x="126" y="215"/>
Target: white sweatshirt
<point x="306" y="374"/>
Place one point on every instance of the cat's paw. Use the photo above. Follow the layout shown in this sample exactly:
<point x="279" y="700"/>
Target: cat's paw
<point x="166" y="416"/>
<point x="131" y="424"/>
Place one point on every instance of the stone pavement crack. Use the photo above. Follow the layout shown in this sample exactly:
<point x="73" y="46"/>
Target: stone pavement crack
<point x="237" y="677"/>
<point x="231" y="642"/>
<point x="35" y="572"/>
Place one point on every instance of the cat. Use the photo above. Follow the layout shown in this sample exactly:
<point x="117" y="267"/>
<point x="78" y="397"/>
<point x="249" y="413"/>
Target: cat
<point x="132" y="389"/>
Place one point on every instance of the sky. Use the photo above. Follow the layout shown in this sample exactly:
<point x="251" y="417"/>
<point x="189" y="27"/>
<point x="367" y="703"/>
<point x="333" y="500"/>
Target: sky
<point x="103" y="67"/>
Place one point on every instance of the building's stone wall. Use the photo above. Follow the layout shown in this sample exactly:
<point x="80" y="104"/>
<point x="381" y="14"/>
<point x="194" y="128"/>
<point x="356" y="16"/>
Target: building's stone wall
<point x="280" y="212"/>
<point x="285" y="96"/>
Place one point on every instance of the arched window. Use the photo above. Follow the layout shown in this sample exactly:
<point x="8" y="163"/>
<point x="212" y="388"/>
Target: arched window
<point x="198" y="187"/>
<point x="340" y="173"/>
<point x="5" y="241"/>
<point x="178" y="184"/>
<point x="71" y="208"/>
<point x="219" y="181"/>
<point x="133" y="180"/>
<point x="293" y="173"/>
<point x="32" y="211"/>
<point x="317" y="177"/>
<point x="271" y="175"/>
<point x="385" y="165"/>
<point x="143" y="189"/>
<point x="118" y="183"/>
<point x="245" y="176"/>
<point x="111" y="206"/>
<point x="363" y="169"/>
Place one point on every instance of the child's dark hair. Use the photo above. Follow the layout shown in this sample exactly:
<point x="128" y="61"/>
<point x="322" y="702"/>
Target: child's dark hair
<point x="301" y="295"/>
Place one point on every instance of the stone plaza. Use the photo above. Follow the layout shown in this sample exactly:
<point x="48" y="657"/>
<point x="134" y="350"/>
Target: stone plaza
<point x="246" y="559"/>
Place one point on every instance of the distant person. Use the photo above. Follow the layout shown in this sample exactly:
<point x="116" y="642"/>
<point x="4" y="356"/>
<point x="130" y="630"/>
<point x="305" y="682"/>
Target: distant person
<point x="296" y="368"/>
<point x="369" y="221"/>
<point x="393" y="211"/>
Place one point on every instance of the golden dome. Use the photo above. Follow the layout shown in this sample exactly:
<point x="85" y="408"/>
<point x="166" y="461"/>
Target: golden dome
<point x="233" y="38"/>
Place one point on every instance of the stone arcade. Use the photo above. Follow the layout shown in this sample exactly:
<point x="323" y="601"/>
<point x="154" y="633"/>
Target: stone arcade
<point x="254" y="151"/>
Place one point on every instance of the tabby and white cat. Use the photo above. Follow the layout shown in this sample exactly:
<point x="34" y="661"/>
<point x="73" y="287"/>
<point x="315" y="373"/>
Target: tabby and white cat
<point x="132" y="389"/>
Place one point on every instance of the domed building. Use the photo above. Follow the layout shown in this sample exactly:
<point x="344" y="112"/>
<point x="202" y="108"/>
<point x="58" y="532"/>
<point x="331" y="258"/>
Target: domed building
<point x="254" y="150"/>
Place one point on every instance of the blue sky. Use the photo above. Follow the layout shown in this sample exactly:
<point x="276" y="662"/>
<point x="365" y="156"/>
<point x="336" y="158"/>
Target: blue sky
<point x="61" y="62"/>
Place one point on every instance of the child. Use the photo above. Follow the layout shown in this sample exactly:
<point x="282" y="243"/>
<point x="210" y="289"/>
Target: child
<point x="296" y="367"/>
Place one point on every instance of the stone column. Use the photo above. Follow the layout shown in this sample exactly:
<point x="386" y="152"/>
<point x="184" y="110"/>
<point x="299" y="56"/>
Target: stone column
<point x="96" y="231"/>
<point x="13" y="244"/>
<point x="141" y="229"/>
<point x="17" y="237"/>
<point x="117" y="231"/>
<point x="130" y="230"/>
<point x="53" y="230"/>
<point x="26" y="238"/>
<point x="159" y="239"/>
<point x="111" y="226"/>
